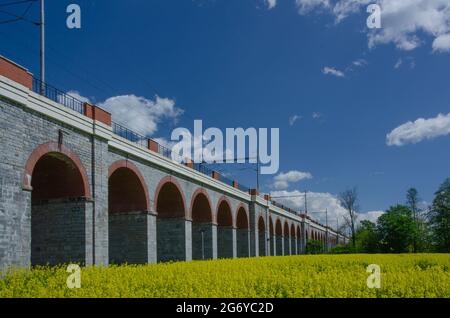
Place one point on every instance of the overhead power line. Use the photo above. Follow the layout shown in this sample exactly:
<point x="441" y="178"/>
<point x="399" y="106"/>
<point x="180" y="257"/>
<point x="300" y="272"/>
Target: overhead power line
<point x="19" y="17"/>
<point x="15" y="2"/>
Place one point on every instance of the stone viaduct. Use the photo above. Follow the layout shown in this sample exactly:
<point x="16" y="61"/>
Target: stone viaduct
<point x="77" y="187"/>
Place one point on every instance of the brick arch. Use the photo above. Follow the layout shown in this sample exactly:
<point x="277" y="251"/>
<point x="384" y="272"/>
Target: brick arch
<point x="263" y="222"/>
<point x="286" y="229"/>
<point x="278" y="227"/>
<point x="223" y="199"/>
<point x="235" y="222"/>
<point x="239" y="221"/>
<point x="293" y="230"/>
<point x="298" y="231"/>
<point x="174" y="182"/>
<point x="53" y="147"/>
<point x="131" y="166"/>
<point x="201" y="191"/>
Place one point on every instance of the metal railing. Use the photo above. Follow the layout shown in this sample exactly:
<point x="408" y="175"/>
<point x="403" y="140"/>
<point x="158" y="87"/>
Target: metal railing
<point x="286" y="208"/>
<point x="58" y="96"/>
<point x="243" y="188"/>
<point x="130" y="135"/>
<point x="200" y="167"/>
<point x="164" y="151"/>
<point x="226" y="180"/>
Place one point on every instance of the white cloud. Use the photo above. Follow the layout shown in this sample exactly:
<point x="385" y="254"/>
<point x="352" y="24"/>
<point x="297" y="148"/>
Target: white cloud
<point x="407" y="61"/>
<point x="421" y="129"/>
<point x="402" y="21"/>
<point x="293" y="119"/>
<point x="442" y="43"/>
<point x="282" y="180"/>
<point x="271" y="4"/>
<point x="332" y="71"/>
<point x="318" y="203"/>
<point x="78" y="96"/>
<point x="141" y="114"/>
<point x="371" y="216"/>
<point x="359" y="62"/>
<point x="316" y="115"/>
<point x="306" y="6"/>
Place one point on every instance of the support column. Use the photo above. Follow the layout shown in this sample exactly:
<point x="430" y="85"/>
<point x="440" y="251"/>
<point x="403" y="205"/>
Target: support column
<point x="234" y="237"/>
<point x="274" y="246"/>
<point x="303" y="239"/>
<point x="100" y="204"/>
<point x="253" y="226"/>
<point x="151" y="238"/>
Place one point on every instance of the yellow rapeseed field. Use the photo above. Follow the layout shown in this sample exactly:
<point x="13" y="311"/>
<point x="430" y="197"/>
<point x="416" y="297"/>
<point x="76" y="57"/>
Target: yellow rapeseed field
<point x="421" y="275"/>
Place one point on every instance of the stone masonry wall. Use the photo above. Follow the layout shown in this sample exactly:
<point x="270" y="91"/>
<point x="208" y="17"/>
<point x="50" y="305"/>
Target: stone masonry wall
<point x="58" y="234"/>
<point x="21" y="132"/>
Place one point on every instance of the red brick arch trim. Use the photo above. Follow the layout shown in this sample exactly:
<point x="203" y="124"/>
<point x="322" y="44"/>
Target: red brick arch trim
<point x="224" y="198"/>
<point x="241" y="206"/>
<point x="162" y="182"/>
<point x="131" y="166"/>
<point x="53" y="147"/>
<point x="205" y="193"/>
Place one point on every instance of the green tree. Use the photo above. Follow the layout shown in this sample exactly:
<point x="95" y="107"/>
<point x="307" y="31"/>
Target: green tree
<point x="349" y="201"/>
<point x="314" y="247"/>
<point x="367" y="237"/>
<point x="440" y="217"/>
<point x="396" y="229"/>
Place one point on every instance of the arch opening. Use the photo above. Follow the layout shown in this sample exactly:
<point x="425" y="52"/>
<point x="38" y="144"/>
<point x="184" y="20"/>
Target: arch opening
<point x="58" y="211"/>
<point x="127" y="217"/>
<point x="272" y="240"/>
<point x="171" y="224"/>
<point x="242" y="233"/>
<point x="202" y="227"/>
<point x="225" y="231"/>
<point x="299" y="242"/>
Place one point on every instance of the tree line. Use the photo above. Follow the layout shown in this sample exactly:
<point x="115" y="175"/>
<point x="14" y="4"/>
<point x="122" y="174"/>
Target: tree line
<point x="407" y="227"/>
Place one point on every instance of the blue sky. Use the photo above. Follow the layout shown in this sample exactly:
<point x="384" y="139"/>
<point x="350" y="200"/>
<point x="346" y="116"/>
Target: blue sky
<point x="251" y="63"/>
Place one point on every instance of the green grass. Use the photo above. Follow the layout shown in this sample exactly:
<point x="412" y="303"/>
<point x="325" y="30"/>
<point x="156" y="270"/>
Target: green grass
<point x="406" y="275"/>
